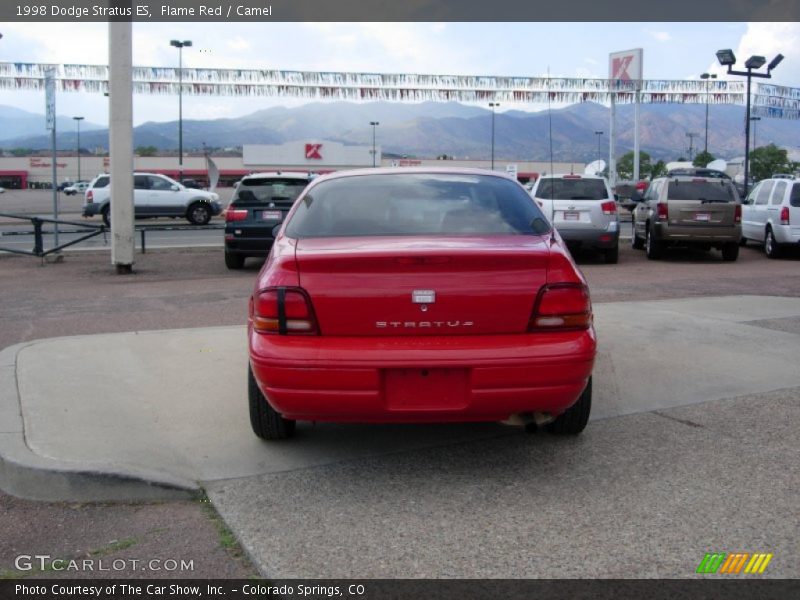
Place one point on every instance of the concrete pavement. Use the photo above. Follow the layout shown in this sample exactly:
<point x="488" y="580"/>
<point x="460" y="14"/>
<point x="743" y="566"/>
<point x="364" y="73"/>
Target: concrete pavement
<point x="160" y="413"/>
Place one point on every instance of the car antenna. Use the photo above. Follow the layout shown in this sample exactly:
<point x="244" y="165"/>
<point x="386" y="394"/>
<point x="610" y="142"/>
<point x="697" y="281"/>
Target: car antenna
<point x="552" y="179"/>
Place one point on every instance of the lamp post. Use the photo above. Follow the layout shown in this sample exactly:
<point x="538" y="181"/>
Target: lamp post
<point x="727" y="59"/>
<point x="78" y="122"/>
<point x="754" y="119"/>
<point x="374" y="152"/>
<point x="707" y="77"/>
<point x="180" y="46"/>
<point x="691" y="137"/>
<point x="493" y="105"/>
<point x="599" y="148"/>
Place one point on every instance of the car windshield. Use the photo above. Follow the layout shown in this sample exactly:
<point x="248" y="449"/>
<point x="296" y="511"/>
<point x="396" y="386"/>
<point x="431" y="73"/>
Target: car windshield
<point x="572" y="189"/>
<point x="417" y="204"/>
<point x="709" y="191"/>
<point x="794" y="200"/>
<point x="264" y="190"/>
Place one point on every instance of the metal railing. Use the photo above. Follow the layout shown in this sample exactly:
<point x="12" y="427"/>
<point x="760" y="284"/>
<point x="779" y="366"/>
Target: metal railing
<point x="94" y="230"/>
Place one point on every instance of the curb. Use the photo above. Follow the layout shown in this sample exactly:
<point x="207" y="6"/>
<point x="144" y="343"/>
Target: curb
<point x="25" y="474"/>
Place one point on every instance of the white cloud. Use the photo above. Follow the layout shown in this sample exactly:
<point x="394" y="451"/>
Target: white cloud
<point x="660" y="36"/>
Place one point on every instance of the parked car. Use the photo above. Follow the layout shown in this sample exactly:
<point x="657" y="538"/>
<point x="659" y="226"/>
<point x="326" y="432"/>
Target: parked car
<point x="154" y="195"/>
<point x="260" y="201"/>
<point x="419" y="295"/>
<point x="62" y="185"/>
<point x="699" y="172"/>
<point x="192" y="183"/>
<point x="771" y="215"/>
<point x="2" y="190"/>
<point x="688" y="210"/>
<point x="583" y="209"/>
<point x="74" y="188"/>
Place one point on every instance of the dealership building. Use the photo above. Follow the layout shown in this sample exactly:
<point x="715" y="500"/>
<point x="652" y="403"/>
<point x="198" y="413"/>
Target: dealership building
<point x="303" y="156"/>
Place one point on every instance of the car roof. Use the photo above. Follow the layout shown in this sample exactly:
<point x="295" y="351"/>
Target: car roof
<point x="281" y="174"/>
<point x="571" y="176"/>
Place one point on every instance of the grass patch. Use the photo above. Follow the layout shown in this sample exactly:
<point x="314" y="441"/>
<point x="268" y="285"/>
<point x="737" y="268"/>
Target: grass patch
<point x="225" y="536"/>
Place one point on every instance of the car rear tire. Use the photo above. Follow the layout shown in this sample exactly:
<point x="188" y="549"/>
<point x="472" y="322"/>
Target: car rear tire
<point x="743" y="242"/>
<point x="653" y="249"/>
<point x="771" y="247"/>
<point x="575" y="418"/>
<point x="611" y="255"/>
<point x="234" y="261"/>
<point x="198" y="213"/>
<point x="267" y="423"/>
<point x="730" y="252"/>
<point x="106" y="214"/>
<point x="637" y="243"/>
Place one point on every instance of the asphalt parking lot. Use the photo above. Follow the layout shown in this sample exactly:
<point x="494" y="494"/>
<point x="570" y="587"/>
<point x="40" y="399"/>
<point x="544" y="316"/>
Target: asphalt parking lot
<point x="483" y="501"/>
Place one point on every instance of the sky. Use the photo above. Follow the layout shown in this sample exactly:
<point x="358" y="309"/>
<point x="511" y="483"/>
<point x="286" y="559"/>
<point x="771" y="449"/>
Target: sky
<point x="671" y="51"/>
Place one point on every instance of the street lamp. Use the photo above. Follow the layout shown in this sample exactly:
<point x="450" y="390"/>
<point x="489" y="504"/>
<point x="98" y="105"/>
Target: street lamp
<point x="78" y="122"/>
<point x="754" y="119"/>
<point x="707" y="76"/>
<point x="691" y="137"/>
<point x="599" y="149"/>
<point x="180" y="46"/>
<point x="492" y="105"/>
<point x="727" y="59"/>
<point x="374" y="153"/>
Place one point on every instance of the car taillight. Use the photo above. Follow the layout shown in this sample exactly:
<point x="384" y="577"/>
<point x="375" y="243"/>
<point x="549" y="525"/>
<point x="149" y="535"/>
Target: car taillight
<point x="89" y="196"/>
<point x="737" y="214"/>
<point x="609" y="208"/>
<point x="233" y="214"/>
<point x="662" y="211"/>
<point x="285" y="311"/>
<point x="562" y="306"/>
<point x="785" y="215"/>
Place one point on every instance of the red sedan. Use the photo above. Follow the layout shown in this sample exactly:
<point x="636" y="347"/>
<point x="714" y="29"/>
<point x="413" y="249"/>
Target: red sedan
<point x="419" y="295"/>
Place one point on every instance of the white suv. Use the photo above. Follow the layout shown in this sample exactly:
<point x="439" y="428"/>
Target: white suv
<point x="771" y="214"/>
<point x="154" y="195"/>
<point x="583" y="210"/>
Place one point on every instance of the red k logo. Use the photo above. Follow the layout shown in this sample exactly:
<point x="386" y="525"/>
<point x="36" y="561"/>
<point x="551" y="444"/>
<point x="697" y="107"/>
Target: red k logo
<point x="312" y="151"/>
<point x="619" y="68"/>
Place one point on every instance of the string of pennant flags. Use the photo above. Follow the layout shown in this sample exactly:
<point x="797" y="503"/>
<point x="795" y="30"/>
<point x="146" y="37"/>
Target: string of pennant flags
<point x="768" y="100"/>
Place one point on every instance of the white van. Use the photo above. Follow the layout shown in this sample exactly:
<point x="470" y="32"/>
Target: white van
<point x="771" y="215"/>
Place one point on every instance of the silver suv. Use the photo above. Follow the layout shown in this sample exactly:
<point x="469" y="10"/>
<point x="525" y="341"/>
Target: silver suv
<point x="154" y="195"/>
<point x="687" y="210"/>
<point x="771" y="214"/>
<point x="583" y="210"/>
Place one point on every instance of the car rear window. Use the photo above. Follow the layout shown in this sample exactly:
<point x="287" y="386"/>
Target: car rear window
<point x="101" y="182"/>
<point x="710" y="191"/>
<point x="269" y="190"/>
<point x="572" y="189"/>
<point x="417" y="204"/>
<point x="795" y="198"/>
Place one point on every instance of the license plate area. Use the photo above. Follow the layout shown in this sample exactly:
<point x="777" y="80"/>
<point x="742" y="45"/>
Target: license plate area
<point x="572" y="215"/>
<point x="425" y="389"/>
<point x="702" y="217"/>
<point x="270" y="215"/>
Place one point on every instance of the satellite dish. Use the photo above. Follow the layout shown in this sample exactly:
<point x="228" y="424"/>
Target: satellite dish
<point x="595" y="168"/>
<point x="717" y="165"/>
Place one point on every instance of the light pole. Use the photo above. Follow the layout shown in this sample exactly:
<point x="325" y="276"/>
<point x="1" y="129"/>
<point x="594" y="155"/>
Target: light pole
<point x="727" y="59"/>
<point x="599" y="148"/>
<point x="374" y="152"/>
<point x="754" y="119"/>
<point x="493" y="105"/>
<point x="691" y="137"/>
<point x="180" y="46"/>
<point x="78" y="122"/>
<point x="707" y="76"/>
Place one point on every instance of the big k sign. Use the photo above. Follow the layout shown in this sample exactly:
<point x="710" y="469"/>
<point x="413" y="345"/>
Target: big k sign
<point x="625" y="66"/>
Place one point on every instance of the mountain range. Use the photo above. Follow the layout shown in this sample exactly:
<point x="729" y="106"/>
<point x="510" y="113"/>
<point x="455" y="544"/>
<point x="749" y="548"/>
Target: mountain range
<point x="431" y="129"/>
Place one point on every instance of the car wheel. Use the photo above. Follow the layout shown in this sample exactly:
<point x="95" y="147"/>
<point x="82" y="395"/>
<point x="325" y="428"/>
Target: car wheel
<point x="730" y="252"/>
<point x="266" y="422"/>
<point x="611" y="255"/>
<point x="652" y="248"/>
<point x="234" y="261"/>
<point x="771" y="247"/>
<point x="198" y="214"/>
<point x="106" y="214"/>
<point x="636" y="242"/>
<point x="575" y="418"/>
<point x="743" y="242"/>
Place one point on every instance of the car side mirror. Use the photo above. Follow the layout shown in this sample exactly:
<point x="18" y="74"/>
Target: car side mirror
<point x="175" y="188"/>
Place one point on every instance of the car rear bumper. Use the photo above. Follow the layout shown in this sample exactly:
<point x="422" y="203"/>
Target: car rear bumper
<point x="786" y="234"/>
<point x="697" y="235"/>
<point x="598" y="238"/>
<point x="248" y="246"/>
<point x="422" y="379"/>
<point x="91" y="209"/>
